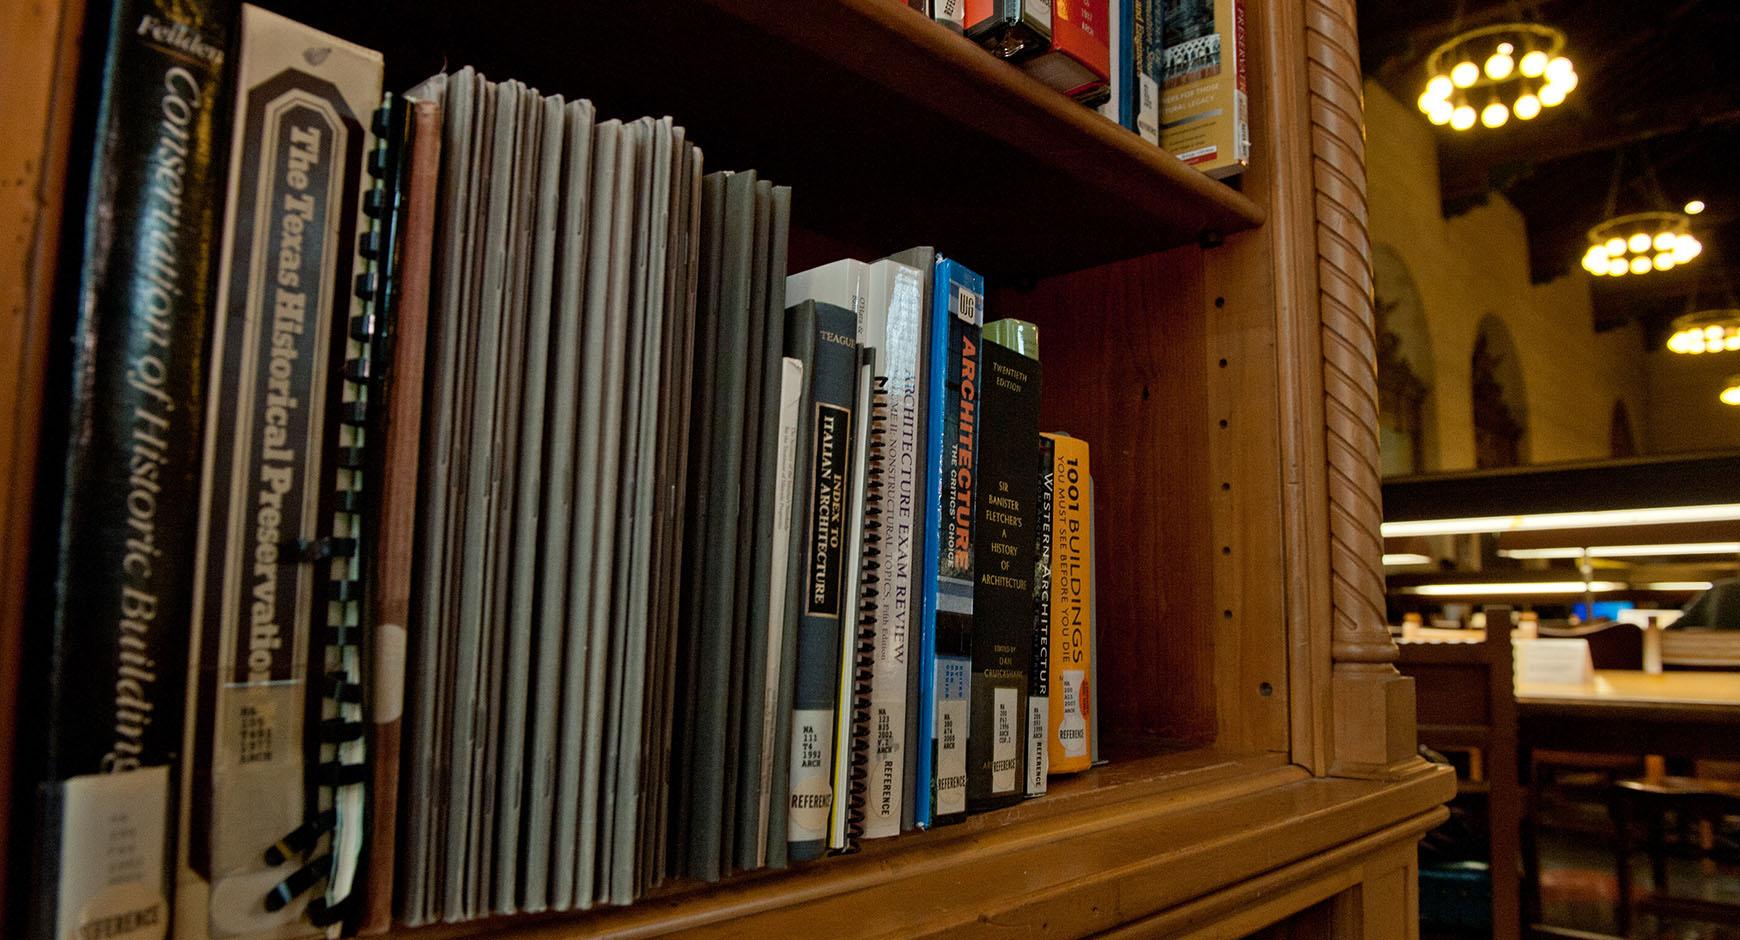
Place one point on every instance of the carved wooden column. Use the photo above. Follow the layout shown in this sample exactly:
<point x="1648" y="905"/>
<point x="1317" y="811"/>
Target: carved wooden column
<point x="1373" y="705"/>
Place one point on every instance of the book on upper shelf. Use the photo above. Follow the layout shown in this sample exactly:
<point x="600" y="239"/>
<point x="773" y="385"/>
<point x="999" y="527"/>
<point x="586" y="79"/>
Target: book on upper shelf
<point x="1204" y="107"/>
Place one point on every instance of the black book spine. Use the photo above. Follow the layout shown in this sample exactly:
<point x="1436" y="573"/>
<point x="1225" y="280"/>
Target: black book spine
<point x="1003" y="568"/>
<point x="111" y="578"/>
<point x="1039" y="678"/>
<point x="827" y="478"/>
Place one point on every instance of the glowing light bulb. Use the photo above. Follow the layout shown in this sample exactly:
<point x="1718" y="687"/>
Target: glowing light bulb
<point x="1440" y="86"/>
<point x="1712" y="336"/>
<point x="1494" y="114"/>
<point x="1558" y="68"/>
<point x="1639" y="242"/>
<point x="1664" y="261"/>
<point x="1533" y="64"/>
<point x="1565" y="84"/>
<point x="1464" y="74"/>
<point x="1732" y="343"/>
<point x="1500" y="65"/>
<point x="1615" y="246"/>
<point x="1640" y="265"/>
<point x="1677" y="343"/>
<point x="1462" y="118"/>
<point x="1440" y="111"/>
<point x="1686" y="248"/>
<point x="1694" y="207"/>
<point x="1427" y="100"/>
<point x="1731" y="394"/>
<point x="1552" y="95"/>
<point x="1526" y="107"/>
<point x="1664" y="241"/>
<point x="1618" y="267"/>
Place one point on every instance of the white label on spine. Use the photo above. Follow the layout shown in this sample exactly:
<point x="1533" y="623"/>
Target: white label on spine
<point x="1037" y="706"/>
<point x="1006" y="746"/>
<point x="948" y="11"/>
<point x="951" y="735"/>
<point x="1039" y="10"/>
<point x="113" y="829"/>
<point x="811" y="796"/>
<point x="1148" y="108"/>
<point x="1072" y="731"/>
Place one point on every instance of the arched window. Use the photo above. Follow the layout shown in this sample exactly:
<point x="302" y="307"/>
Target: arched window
<point x="1621" y="442"/>
<point x="1404" y="360"/>
<point x="1498" y="397"/>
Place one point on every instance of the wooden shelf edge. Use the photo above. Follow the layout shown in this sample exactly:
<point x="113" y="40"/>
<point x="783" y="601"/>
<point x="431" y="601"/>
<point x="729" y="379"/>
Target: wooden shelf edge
<point x="1092" y="863"/>
<point x="981" y="91"/>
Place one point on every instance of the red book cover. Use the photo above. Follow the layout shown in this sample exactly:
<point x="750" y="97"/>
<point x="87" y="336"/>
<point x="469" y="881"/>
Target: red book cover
<point x="1081" y="29"/>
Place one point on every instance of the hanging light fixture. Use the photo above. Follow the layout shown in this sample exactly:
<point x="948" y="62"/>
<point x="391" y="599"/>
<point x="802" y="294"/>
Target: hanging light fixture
<point x="1639" y="243"/>
<point x="1656" y="239"/>
<point x="1497" y="72"/>
<point x="1706" y="331"/>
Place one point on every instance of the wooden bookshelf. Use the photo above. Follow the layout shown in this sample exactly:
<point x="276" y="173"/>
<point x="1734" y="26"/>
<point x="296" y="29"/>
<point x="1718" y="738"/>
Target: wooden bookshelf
<point x="1213" y="343"/>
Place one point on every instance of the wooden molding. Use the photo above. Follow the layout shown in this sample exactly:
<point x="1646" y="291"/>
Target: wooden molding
<point x="1372" y="705"/>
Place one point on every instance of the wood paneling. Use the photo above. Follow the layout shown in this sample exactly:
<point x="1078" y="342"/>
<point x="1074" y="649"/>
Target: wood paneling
<point x="38" y="43"/>
<point x="1123" y="347"/>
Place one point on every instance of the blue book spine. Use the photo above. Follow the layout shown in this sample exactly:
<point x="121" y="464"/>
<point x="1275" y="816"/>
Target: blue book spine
<point x="1128" y="95"/>
<point x="945" y="637"/>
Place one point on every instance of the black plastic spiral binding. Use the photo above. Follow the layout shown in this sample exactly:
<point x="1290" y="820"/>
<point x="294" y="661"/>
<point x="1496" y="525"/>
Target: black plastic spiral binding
<point x="864" y="655"/>
<point x="340" y="732"/>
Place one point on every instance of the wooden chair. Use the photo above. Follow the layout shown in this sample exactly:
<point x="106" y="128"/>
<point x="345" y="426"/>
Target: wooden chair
<point x="1703" y="800"/>
<point x="1464" y="702"/>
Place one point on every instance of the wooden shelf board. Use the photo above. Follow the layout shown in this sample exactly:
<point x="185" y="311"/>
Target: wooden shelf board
<point x="1117" y="843"/>
<point x="892" y="130"/>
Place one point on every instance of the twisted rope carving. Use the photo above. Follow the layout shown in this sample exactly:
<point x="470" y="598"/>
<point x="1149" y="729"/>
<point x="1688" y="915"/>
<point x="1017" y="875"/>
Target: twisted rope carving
<point x="1349" y="336"/>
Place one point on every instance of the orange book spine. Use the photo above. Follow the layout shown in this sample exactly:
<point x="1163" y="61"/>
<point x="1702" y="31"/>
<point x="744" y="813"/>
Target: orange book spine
<point x="1069" y="747"/>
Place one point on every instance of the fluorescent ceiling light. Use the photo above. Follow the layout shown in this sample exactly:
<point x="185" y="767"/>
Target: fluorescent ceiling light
<point x="1678" y="586"/>
<point x="1494" y="588"/>
<point x="1406" y="558"/>
<point x="1626" y="551"/>
<point x="1536" y="522"/>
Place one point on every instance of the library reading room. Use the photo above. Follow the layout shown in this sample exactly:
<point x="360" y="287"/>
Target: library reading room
<point x="873" y="469"/>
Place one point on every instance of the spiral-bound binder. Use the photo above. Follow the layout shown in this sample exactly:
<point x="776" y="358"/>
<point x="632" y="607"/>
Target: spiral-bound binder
<point x="865" y="738"/>
<point x="278" y="753"/>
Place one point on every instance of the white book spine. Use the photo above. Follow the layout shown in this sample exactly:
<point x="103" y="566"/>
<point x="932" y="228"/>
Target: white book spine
<point x="790" y="405"/>
<point x="897" y="291"/>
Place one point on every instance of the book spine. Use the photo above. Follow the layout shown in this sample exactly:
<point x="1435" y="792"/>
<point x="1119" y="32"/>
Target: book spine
<point x="950" y="13"/>
<point x="1010" y="29"/>
<point x="1008" y="485"/>
<point x="1068" y="739"/>
<point x="896" y="288"/>
<point x="871" y="569"/>
<point x="1039" y="673"/>
<point x="114" y="552"/>
<point x="779" y="575"/>
<point x="277" y="468"/>
<point x="1149" y="65"/>
<point x="825" y="601"/>
<point x="957" y="317"/>
<point x="851" y="626"/>
<point x="408" y="242"/>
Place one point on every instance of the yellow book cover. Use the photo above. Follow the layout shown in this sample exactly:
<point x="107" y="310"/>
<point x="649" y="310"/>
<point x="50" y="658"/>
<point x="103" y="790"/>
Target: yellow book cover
<point x="1069" y="746"/>
<point x="1203" y="109"/>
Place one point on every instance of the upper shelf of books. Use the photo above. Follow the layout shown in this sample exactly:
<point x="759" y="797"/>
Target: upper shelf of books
<point x="892" y="130"/>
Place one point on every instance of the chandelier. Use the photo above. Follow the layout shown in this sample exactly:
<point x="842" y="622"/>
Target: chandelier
<point x="1491" y="73"/>
<point x="1706" y="331"/>
<point x="1639" y="243"/>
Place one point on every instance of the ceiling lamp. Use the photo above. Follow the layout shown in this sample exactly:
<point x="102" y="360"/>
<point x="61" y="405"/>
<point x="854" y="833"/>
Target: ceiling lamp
<point x="1731" y="394"/>
<point x="1639" y="243"/>
<point x="1706" y="331"/>
<point x="1495" y="73"/>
